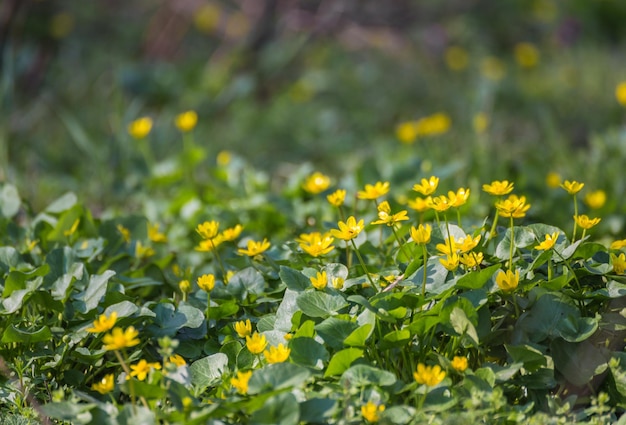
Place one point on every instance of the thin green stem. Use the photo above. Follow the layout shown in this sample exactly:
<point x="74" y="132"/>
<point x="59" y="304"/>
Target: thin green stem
<point x="458" y="217"/>
<point x="348" y="256"/>
<point x="219" y="259"/>
<point x="425" y="255"/>
<point x="358" y="254"/>
<point x="400" y="243"/>
<point x="208" y="312"/>
<point x="575" y="215"/>
<point x="512" y="245"/>
<point x="492" y="231"/>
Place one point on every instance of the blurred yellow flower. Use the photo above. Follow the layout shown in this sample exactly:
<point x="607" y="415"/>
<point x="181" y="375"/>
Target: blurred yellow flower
<point x="140" y="128"/>
<point x="337" y="198"/>
<point x="232" y="233"/>
<point x="620" y="93"/>
<point x="207" y="17"/>
<point x="619" y="244"/>
<point x="256" y="343"/>
<point x="208" y="229"/>
<point x="316" y="183"/>
<point x="493" y="68"/>
<point x="513" y="206"/>
<point x="141" y="369"/>
<point x="406" y="132"/>
<point x="277" y="354"/>
<point x="427" y="187"/>
<point x="507" y="281"/>
<point x="457" y="58"/>
<point x="526" y="55"/>
<point x="103" y="323"/>
<point x="548" y="242"/>
<point x="184" y="286"/>
<point x="73" y="228"/>
<point x="374" y="191"/>
<point x="315" y="243"/>
<point x="585" y="222"/>
<point x="468" y="243"/>
<point x="459" y="198"/>
<point x="449" y="247"/>
<point x="619" y="263"/>
<point x="553" y="180"/>
<point x="420" y="204"/>
<point x="572" y="187"/>
<point x="480" y="122"/>
<point x="441" y="203"/>
<point x="338" y="282"/>
<point x="154" y="235"/>
<point x="186" y="121"/>
<point x="459" y="363"/>
<point x="206" y="282"/>
<point x="371" y="411"/>
<point x="105" y="385"/>
<point x="320" y="280"/>
<point x="240" y="382"/>
<point x="119" y="339"/>
<point x="254" y="248"/>
<point x="498" y="188"/>
<point x="421" y="233"/>
<point x="595" y="199"/>
<point x="348" y="230"/>
<point x="385" y="216"/>
<point x="223" y="158"/>
<point x="243" y="328"/>
<point x="177" y="360"/>
<point x="124" y="232"/>
<point x="429" y="375"/>
<point x="142" y="251"/>
<point x="472" y="260"/>
<point x="432" y="125"/>
<point x="450" y="262"/>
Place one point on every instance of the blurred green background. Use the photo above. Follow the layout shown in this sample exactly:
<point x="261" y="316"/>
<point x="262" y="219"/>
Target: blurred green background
<point x="528" y="87"/>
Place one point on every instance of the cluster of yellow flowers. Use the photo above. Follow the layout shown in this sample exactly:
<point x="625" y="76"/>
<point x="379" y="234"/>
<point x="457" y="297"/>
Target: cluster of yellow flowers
<point x="141" y="127"/>
<point x="409" y="131"/>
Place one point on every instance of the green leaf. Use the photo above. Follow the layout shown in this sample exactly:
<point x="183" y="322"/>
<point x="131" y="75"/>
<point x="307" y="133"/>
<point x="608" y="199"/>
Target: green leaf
<point x="308" y="352"/>
<point x="334" y="331"/>
<point x="15" y="301"/>
<point x="532" y="358"/>
<point x="95" y="291"/>
<point x="294" y="280"/>
<point x="462" y="325"/>
<point x="286" y="310"/>
<point x="281" y="409"/>
<point x="578" y="362"/>
<point x="136" y="415"/>
<point x="169" y="320"/>
<point x="478" y="279"/>
<point x="277" y="376"/>
<point x="358" y="337"/>
<point x="362" y="375"/>
<point x="123" y="309"/>
<point x="208" y="370"/>
<point x="13" y="334"/>
<point x="316" y="410"/>
<point x="76" y="413"/>
<point x="436" y="275"/>
<point x="9" y="200"/>
<point x="247" y="281"/>
<point x="523" y="238"/>
<point x="320" y="304"/>
<point x="342" y="360"/>
<point x="396" y="338"/>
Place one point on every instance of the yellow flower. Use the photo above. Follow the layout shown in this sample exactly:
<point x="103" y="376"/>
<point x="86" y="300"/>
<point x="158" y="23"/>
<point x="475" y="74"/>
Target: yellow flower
<point x="338" y="282"/>
<point x="526" y="55"/>
<point x="507" y="281"/>
<point x="429" y="375"/>
<point x="103" y="323"/>
<point x="449" y="247"/>
<point x="472" y="260"/>
<point x="373" y="191"/>
<point x="620" y="93"/>
<point x="105" y="385"/>
<point x="459" y="363"/>
<point x="459" y="198"/>
<point x="256" y="343"/>
<point x="223" y="158"/>
<point x="177" y="360"/>
<point x="119" y="339"/>
<point x="553" y="180"/>
<point x="316" y="183"/>
<point x="154" y="235"/>
<point x="618" y="244"/>
<point x="337" y="198"/>
<point x="441" y="203"/>
<point x="493" y="68"/>
<point x="385" y="216"/>
<point x="140" y="128"/>
<point x="450" y="262"/>
<point x="209" y="245"/>
<point x="480" y="122"/>
<point x="72" y="230"/>
<point x="406" y="132"/>
<point x="619" y="263"/>
<point x="208" y="229"/>
<point x="427" y="187"/>
<point x="143" y="251"/>
<point x="277" y="354"/>
<point x="141" y="369"/>
<point x="243" y="328"/>
<point x="186" y="121"/>
<point x="124" y="232"/>
<point x="457" y="58"/>
<point x="184" y="286"/>
<point x="498" y="188"/>
<point x="572" y="187"/>
<point x="433" y="125"/>
<point x="513" y="206"/>
<point x="254" y="248"/>
<point x="240" y="382"/>
<point x="206" y="282"/>
<point x="232" y="233"/>
<point x="420" y="204"/>
<point x="229" y="276"/>
<point x="348" y="230"/>
<point x="320" y="280"/>
<point x="548" y="242"/>
<point x="596" y="199"/>
<point x="421" y="233"/>
<point x="316" y="244"/>
<point x="468" y="243"/>
<point x="207" y="17"/>
<point x="371" y="412"/>
<point x="585" y="222"/>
